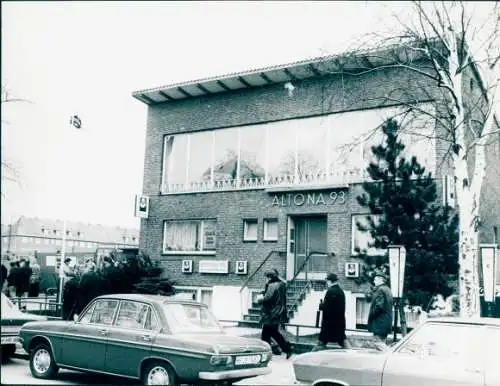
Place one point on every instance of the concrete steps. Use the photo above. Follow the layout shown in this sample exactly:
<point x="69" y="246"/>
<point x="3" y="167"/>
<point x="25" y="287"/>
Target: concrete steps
<point x="295" y="296"/>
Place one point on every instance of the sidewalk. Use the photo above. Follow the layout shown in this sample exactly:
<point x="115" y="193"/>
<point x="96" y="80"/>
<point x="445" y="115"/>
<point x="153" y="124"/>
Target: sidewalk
<point x="302" y="344"/>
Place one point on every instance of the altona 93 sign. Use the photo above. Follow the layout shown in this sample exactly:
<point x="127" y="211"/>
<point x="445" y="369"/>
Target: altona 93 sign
<point x="311" y="198"/>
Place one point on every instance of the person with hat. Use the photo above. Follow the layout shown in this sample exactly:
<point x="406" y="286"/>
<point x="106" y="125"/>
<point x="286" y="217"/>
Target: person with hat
<point x="333" y="320"/>
<point x="274" y="311"/>
<point x="380" y="314"/>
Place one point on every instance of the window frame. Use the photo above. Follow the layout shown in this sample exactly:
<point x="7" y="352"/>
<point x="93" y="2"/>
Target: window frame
<point x="330" y="122"/>
<point x="265" y="226"/>
<point x="93" y="307"/>
<point x="246" y="222"/>
<point x="151" y="310"/>
<point x="355" y="231"/>
<point x="400" y="349"/>
<point x="165" y="251"/>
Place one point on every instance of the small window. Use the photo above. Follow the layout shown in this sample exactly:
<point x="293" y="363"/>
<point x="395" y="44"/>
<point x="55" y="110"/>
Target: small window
<point x="151" y="322"/>
<point x="270" y="229"/>
<point x="250" y="229"/>
<point x="362" y="240"/>
<point x="104" y="312"/>
<point x="132" y="315"/>
<point x="85" y="318"/>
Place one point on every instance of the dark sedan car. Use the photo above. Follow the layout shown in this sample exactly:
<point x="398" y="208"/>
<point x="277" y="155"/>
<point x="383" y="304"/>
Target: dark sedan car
<point x="11" y="321"/>
<point x="159" y="340"/>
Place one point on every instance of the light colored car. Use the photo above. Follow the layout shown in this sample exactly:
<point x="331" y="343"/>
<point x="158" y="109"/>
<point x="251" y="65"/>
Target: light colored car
<point x="441" y="352"/>
<point x="11" y="321"/>
<point x="160" y="340"/>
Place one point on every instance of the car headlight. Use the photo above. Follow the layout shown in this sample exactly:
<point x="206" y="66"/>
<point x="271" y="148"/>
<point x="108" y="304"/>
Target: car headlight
<point x="221" y="360"/>
<point x="265" y="356"/>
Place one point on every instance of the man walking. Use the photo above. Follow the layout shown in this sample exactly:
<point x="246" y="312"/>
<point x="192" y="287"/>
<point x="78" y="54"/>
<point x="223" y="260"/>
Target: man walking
<point x="273" y="311"/>
<point x="380" y="315"/>
<point x="333" y="321"/>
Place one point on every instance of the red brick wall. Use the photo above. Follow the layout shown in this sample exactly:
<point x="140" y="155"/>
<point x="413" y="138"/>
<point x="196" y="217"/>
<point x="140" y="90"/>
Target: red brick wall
<point x="311" y="97"/>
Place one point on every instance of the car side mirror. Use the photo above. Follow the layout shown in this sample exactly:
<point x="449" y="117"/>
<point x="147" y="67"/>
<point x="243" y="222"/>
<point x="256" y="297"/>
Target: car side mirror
<point x="75" y="317"/>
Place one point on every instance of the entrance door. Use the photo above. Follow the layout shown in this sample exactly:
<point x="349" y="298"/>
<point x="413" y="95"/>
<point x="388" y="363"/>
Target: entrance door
<point x="310" y="236"/>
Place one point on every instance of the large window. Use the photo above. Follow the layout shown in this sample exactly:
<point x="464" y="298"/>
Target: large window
<point x="253" y="150"/>
<point x="362" y="240"/>
<point x="291" y="150"/>
<point x="282" y="157"/>
<point x="190" y="236"/>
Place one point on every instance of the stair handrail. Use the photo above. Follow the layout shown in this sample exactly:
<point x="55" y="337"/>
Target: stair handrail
<point x="250" y="277"/>
<point x="297" y="300"/>
<point x="304" y="264"/>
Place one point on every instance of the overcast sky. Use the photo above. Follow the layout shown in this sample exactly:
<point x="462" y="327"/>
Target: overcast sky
<point x="87" y="58"/>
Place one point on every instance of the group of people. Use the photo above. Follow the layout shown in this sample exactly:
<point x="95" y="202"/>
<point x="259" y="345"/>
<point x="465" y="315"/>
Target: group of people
<point x="333" y="306"/>
<point x="20" y="277"/>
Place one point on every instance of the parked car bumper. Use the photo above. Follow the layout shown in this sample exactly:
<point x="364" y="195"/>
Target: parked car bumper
<point x="9" y="339"/>
<point x="233" y="374"/>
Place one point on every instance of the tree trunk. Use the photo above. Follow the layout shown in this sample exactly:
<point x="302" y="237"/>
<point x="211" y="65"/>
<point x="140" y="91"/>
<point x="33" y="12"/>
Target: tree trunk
<point x="468" y="256"/>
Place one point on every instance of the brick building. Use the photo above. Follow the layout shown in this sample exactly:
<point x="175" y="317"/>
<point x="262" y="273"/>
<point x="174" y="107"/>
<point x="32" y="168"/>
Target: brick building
<point x="27" y="235"/>
<point x="259" y="169"/>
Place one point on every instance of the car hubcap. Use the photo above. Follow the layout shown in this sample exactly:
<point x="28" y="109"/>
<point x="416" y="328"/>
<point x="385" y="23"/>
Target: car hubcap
<point x="41" y="361"/>
<point x="158" y="376"/>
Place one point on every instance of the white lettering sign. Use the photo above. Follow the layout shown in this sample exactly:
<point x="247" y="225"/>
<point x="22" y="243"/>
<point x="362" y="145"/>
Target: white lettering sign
<point x="314" y="198"/>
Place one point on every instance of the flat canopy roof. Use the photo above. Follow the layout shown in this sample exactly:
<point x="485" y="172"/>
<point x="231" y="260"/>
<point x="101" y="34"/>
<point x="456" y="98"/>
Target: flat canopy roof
<point x="308" y="68"/>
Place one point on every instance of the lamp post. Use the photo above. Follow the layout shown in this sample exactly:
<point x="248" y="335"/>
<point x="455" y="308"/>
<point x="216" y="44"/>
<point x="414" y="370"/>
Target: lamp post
<point x="397" y="261"/>
<point x="488" y="265"/>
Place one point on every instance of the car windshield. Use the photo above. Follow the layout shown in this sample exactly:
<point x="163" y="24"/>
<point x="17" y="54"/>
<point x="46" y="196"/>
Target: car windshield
<point x="9" y="308"/>
<point x="190" y="318"/>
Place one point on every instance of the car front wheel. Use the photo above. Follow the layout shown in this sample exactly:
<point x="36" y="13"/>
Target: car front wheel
<point x="158" y="373"/>
<point x="42" y="363"/>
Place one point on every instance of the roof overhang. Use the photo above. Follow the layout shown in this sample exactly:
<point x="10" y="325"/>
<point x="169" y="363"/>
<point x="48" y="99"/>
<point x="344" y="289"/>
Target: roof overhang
<point x="352" y="62"/>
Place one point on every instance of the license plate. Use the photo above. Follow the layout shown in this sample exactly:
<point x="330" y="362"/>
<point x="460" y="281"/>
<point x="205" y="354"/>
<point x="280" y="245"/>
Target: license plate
<point x="10" y="340"/>
<point x="247" y="360"/>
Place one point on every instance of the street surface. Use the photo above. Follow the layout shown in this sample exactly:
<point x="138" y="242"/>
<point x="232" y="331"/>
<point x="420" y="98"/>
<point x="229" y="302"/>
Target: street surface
<point x="17" y="371"/>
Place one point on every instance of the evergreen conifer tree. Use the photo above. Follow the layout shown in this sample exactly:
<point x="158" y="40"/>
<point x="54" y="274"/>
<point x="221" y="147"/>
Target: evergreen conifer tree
<point x="404" y="198"/>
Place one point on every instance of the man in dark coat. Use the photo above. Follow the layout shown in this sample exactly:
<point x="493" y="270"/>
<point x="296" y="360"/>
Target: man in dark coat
<point x="333" y="321"/>
<point x="273" y="311"/>
<point x="380" y="315"/>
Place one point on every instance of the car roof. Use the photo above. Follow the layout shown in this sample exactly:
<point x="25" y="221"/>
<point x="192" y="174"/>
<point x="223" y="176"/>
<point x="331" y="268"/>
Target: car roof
<point x="464" y="320"/>
<point x="151" y="298"/>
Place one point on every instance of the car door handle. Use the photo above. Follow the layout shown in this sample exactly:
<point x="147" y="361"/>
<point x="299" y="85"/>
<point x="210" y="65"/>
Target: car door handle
<point x="146" y="338"/>
<point x="104" y="332"/>
<point x="473" y="370"/>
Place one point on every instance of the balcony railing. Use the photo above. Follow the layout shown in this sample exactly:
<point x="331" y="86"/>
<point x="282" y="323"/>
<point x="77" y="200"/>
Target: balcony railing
<point x="316" y="179"/>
